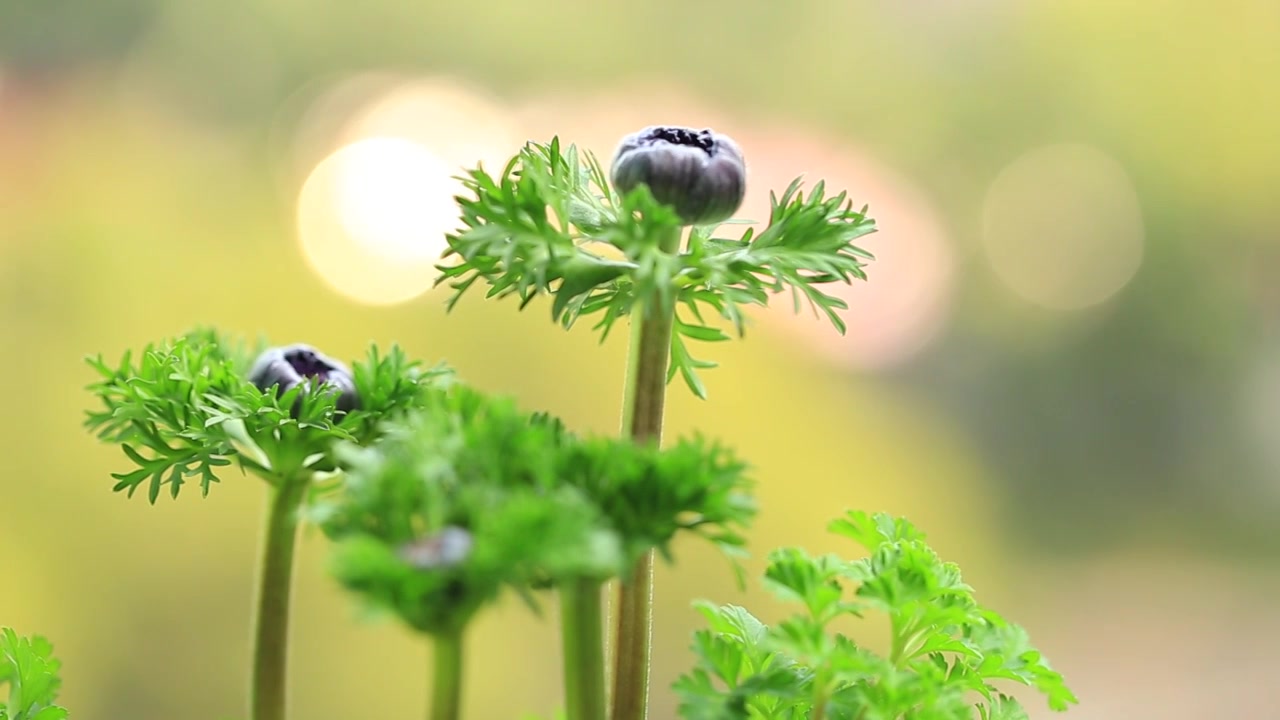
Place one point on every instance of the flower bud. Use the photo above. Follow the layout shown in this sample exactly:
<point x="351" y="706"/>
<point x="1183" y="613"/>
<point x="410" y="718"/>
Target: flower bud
<point x="286" y="367"/>
<point x="447" y="548"/>
<point x="699" y="173"/>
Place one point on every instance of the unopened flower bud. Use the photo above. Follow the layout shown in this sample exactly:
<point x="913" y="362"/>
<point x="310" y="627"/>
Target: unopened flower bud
<point x="289" y="366"/>
<point x="699" y="173"/>
<point x="446" y="548"/>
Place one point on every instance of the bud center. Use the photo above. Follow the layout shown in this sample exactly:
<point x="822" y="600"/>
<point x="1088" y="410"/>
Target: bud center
<point x="307" y="364"/>
<point x="683" y="136"/>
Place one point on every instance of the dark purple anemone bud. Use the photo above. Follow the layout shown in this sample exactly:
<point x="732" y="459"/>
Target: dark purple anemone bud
<point x="699" y="173"/>
<point x="446" y="548"/>
<point x="289" y="366"/>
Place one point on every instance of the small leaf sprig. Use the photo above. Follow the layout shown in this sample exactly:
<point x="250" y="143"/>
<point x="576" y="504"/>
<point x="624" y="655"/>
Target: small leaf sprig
<point x="28" y="667"/>
<point x="946" y="651"/>
<point x="470" y="496"/>
<point x="198" y="403"/>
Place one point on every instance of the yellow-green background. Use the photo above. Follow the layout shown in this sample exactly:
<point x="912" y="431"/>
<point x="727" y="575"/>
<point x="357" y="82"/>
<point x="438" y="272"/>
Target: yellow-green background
<point x="1106" y="476"/>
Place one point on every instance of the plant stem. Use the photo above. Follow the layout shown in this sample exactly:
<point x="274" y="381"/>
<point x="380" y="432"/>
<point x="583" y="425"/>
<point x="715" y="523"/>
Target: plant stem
<point x="582" y="633"/>
<point x="821" y="682"/>
<point x="446" y="672"/>
<point x="633" y="630"/>
<point x="271" y="622"/>
<point x="646" y="396"/>
<point x="902" y="635"/>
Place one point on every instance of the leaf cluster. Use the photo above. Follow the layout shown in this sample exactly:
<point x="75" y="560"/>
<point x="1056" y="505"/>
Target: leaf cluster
<point x="946" y="651"/>
<point x="549" y="224"/>
<point x="539" y="505"/>
<point x="184" y="409"/>
<point x="28" y="667"/>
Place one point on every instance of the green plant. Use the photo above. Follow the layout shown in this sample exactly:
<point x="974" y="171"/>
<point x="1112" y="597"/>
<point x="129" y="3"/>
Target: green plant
<point x="187" y="408"/>
<point x="438" y="498"/>
<point x="28" y="667"/>
<point x="485" y="497"/>
<point x="519" y="248"/>
<point x="946" y="650"/>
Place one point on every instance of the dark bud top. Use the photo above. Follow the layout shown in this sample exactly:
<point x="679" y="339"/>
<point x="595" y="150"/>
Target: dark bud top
<point x="700" y="173"/>
<point x="289" y="366"/>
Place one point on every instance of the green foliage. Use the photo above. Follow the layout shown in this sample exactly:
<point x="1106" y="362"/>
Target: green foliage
<point x="648" y="495"/>
<point x="185" y="409"/>
<point x="538" y="503"/>
<point x="947" y="652"/>
<point x="440" y="498"/>
<point x="28" y="667"/>
<point x="532" y="230"/>
<point x="462" y="462"/>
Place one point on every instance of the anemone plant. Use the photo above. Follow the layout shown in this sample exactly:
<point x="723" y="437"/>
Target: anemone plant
<point x="671" y="188"/>
<point x="472" y="496"/>
<point x="189" y="408"/>
<point x="438" y="498"/>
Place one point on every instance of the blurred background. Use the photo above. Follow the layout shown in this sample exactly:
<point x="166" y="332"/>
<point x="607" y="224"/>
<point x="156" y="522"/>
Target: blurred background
<point x="1065" y="366"/>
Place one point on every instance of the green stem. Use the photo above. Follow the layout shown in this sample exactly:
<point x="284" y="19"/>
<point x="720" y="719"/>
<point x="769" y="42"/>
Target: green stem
<point x="446" y="677"/>
<point x="271" y="622"/>
<point x="821" y="683"/>
<point x="582" y="634"/>
<point x="647" y="360"/>
<point x="633" y="630"/>
<point x="901" y="637"/>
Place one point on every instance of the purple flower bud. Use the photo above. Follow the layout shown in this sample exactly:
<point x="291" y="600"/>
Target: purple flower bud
<point x="446" y="548"/>
<point x="289" y="366"/>
<point x="700" y="173"/>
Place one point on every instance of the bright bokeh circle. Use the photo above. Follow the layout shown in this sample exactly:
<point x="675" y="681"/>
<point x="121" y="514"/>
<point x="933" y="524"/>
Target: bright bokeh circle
<point x="1062" y="227"/>
<point x="372" y="219"/>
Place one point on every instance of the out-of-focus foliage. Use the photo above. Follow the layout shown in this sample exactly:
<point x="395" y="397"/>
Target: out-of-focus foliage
<point x="28" y="667"/>
<point x="538" y="506"/>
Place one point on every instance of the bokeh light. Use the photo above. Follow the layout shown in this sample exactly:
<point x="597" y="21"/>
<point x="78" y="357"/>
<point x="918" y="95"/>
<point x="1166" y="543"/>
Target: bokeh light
<point x="372" y="219"/>
<point x="1062" y="227"/>
<point x="373" y="215"/>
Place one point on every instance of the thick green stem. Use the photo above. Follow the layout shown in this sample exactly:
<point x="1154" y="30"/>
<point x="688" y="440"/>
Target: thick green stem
<point x="446" y="677"/>
<point x="582" y="634"/>
<point x="633" y="630"/>
<point x="271" y="622"/>
<point x="642" y="421"/>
